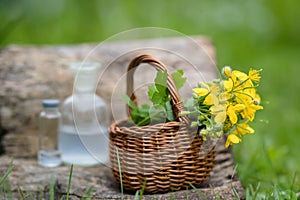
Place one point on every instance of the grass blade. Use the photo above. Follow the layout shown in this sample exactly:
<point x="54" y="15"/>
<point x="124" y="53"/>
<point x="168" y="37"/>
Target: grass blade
<point x="69" y="183"/>
<point x="119" y="165"/>
<point x="292" y="186"/>
<point x="7" y="190"/>
<point x="172" y="197"/>
<point x="51" y="190"/>
<point x="143" y="189"/>
<point x="88" y="193"/>
<point x="136" y="196"/>
<point x="187" y="193"/>
<point x="256" y="191"/>
<point x="276" y="193"/>
<point x="234" y="171"/>
<point x="216" y="196"/>
<point x="4" y="177"/>
<point x="199" y="192"/>
<point x="41" y="194"/>
<point x="235" y="193"/>
<point x="21" y="193"/>
<point x="31" y="195"/>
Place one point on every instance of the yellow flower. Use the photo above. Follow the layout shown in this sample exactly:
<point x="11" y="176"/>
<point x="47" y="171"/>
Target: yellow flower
<point x="219" y="111"/>
<point x="210" y="91"/>
<point x="204" y="92"/>
<point x="209" y="99"/>
<point x="240" y="76"/>
<point x="232" y="139"/>
<point x="250" y="109"/>
<point x="201" y="91"/>
<point x="232" y="112"/>
<point x="232" y="103"/>
<point x="256" y="99"/>
<point x="228" y="85"/>
<point x="254" y="75"/>
<point x="243" y="129"/>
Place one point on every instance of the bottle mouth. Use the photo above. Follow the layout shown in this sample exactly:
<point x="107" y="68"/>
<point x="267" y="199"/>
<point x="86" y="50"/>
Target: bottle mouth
<point x="85" y="75"/>
<point x="85" y="67"/>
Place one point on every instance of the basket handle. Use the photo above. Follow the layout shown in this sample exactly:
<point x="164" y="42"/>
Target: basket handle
<point x="175" y="98"/>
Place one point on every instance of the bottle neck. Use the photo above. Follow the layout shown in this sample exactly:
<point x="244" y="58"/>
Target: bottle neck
<point x="86" y="91"/>
<point x="83" y="97"/>
<point x="85" y="77"/>
<point x="51" y="111"/>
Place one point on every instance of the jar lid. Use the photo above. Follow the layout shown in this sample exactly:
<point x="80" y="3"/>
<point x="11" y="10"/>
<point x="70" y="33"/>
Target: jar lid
<point x="50" y="103"/>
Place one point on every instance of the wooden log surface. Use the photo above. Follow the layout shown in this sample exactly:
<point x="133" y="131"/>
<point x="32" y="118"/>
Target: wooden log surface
<point x="30" y="73"/>
<point x="33" y="180"/>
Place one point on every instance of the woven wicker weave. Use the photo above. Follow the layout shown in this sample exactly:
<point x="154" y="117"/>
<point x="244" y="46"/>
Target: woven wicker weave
<point x="163" y="157"/>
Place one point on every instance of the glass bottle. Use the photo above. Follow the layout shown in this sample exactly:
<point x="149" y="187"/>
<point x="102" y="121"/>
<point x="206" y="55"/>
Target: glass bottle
<point x="83" y="136"/>
<point x="49" y="119"/>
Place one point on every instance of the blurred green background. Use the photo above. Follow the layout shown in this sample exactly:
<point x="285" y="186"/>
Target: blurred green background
<point x="246" y="33"/>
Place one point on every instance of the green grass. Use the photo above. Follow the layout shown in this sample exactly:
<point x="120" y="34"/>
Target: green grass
<point x="6" y="192"/>
<point x="246" y="33"/>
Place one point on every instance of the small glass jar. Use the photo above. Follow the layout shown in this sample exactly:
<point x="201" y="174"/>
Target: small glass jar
<point x="49" y="120"/>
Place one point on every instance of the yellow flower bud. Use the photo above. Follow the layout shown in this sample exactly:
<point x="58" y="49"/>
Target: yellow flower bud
<point x="232" y="139"/>
<point x="227" y="71"/>
<point x="182" y="113"/>
<point x="194" y="124"/>
<point x="201" y="91"/>
<point x="203" y="132"/>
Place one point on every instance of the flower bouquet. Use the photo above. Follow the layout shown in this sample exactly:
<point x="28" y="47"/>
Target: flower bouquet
<point x="225" y="107"/>
<point x="166" y="146"/>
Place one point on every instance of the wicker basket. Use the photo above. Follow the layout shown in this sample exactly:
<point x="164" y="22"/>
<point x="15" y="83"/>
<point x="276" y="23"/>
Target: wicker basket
<point x="162" y="157"/>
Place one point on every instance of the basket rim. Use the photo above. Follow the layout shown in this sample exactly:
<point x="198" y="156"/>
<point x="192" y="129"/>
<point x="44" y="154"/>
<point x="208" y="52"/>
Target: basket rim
<point x="158" y="125"/>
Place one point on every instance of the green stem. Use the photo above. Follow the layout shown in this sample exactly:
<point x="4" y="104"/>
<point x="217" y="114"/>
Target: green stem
<point x="148" y="118"/>
<point x="245" y="88"/>
<point x="243" y="94"/>
<point x="240" y="83"/>
<point x="205" y="117"/>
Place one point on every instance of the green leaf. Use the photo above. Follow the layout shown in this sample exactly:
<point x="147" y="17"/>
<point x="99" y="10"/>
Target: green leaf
<point x="170" y="113"/>
<point x="158" y="113"/>
<point x="151" y="91"/>
<point x="129" y="102"/>
<point x="158" y="94"/>
<point x="140" y="116"/>
<point x="189" y="104"/>
<point x="178" y="78"/>
<point x="144" y="110"/>
<point x="143" y="121"/>
<point x="161" y="82"/>
<point x="156" y="97"/>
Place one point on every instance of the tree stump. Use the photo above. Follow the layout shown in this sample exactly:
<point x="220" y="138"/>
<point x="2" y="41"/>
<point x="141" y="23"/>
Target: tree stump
<point x="31" y="73"/>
